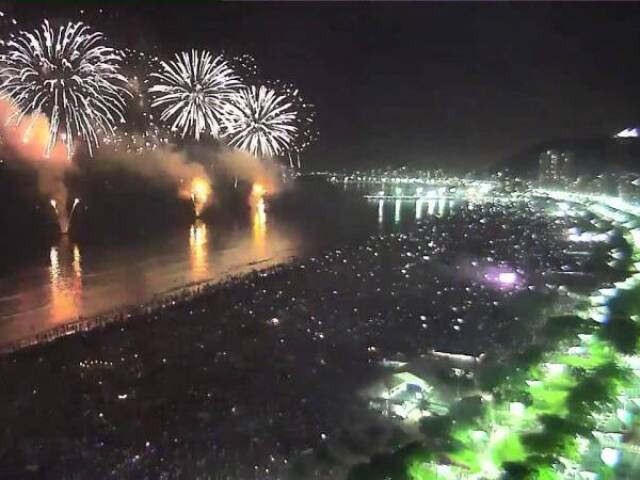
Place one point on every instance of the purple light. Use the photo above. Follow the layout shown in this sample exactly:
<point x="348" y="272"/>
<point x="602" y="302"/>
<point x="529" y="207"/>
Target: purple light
<point x="507" y="278"/>
<point x="503" y="277"/>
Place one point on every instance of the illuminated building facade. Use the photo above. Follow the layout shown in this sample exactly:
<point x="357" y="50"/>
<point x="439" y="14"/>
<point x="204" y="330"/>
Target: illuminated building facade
<point x="629" y="186"/>
<point x="555" y="166"/>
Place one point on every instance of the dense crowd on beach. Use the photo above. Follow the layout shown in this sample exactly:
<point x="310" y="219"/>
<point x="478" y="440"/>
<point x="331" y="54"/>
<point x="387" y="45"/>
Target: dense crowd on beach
<point x="235" y="380"/>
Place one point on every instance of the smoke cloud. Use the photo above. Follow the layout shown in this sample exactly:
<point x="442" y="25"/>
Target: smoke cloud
<point x="160" y="166"/>
<point x="249" y="169"/>
<point x="184" y="169"/>
<point x="28" y="141"/>
<point x="189" y="169"/>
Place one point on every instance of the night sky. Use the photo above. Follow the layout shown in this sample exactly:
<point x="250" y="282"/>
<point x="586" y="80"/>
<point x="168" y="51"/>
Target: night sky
<point x="449" y="85"/>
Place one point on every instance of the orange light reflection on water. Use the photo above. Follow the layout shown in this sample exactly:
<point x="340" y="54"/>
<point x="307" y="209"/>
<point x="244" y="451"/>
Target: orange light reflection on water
<point x="259" y="225"/>
<point x="132" y="274"/>
<point x="198" y="250"/>
<point x="65" y="281"/>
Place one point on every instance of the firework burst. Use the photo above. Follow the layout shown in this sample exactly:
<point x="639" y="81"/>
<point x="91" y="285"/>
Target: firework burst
<point x="141" y="133"/>
<point x="306" y="132"/>
<point x="69" y="75"/>
<point x="193" y="92"/>
<point x="262" y="122"/>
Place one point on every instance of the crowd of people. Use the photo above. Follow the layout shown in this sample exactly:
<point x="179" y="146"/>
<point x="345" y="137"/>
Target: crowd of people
<point x="235" y="380"/>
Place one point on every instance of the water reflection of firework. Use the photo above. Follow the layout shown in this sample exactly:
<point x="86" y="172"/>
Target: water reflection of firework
<point x="65" y="280"/>
<point x="198" y="253"/>
<point x="259" y="226"/>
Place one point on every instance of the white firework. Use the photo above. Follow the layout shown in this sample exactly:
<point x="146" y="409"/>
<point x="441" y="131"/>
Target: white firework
<point x="193" y="92"/>
<point x="69" y="75"/>
<point x="262" y="122"/>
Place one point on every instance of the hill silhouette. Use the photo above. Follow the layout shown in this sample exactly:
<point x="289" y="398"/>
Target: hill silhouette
<point x="591" y="157"/>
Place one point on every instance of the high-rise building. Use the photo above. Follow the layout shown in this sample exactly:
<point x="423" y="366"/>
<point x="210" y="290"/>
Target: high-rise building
<point x="629" y="186"/>
<point x="555" y="166"/>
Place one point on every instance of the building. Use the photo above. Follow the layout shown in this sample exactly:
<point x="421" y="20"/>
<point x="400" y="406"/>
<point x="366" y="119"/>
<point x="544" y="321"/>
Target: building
<point x="555" y="167"/>
<point x="629" y="186"/>
<point x="405" y="396"/>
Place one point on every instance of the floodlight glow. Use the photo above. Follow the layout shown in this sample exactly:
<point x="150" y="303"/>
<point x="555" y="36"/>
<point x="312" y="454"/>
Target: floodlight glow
<point x="516" y="408"/>
<point x="610" y="456"/>
<point x="624" y="416"/>
<point x="609" y="292"/>
<point x="479" y="435"/>
<point x="600" y="317"/>
<point x="554" y="368"/>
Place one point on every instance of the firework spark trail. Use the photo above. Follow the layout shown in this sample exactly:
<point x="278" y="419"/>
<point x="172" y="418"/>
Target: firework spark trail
<point x="306" y="132"/>
<point x="193" y="91"/>
<point x="70" y="76"/>
<point x="140" y="133"/>
<point x="27" y="143"/>
<point x="262" y="122"/>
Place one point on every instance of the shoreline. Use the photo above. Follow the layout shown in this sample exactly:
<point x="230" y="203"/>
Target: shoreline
<point x="174" y="296"/>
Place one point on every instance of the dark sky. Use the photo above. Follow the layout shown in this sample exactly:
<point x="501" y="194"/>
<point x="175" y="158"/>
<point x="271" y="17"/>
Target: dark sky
<point x="426" y="84"/>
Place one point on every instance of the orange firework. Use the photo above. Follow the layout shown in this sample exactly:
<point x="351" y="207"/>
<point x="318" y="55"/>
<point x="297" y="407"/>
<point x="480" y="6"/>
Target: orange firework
<point x="200" y="194"/>
<point x="258" y="190"/>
